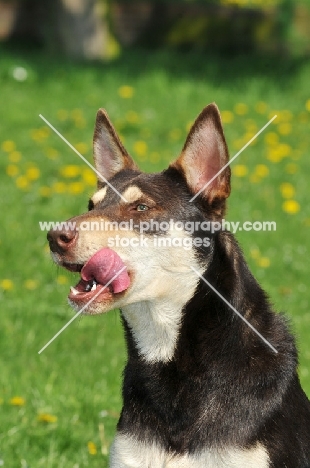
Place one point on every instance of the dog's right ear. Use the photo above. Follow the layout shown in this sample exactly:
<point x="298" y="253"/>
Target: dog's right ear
<point x="109" y="154"/>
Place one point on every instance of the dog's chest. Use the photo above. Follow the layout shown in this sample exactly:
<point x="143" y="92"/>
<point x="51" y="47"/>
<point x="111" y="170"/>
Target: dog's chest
<point x="127" y="452"/>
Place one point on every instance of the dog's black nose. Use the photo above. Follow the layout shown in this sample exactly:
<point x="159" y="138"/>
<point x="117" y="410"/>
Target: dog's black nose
<point x="61" y="240"/>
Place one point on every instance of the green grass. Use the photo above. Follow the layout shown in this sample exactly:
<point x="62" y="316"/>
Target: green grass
<point x="78" y="378"/>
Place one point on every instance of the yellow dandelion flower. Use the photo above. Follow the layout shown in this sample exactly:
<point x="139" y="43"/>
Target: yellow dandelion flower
<point x="291" y="168"/>
<point x="40" y="134"/>
<point x="272" y="114"/>
<point x="272" y="138"/>
<point x="8" y="146"/>
<point x="62" y="115"/>
<point x="263" y="262"/>
<point x="77" y="114"/>
<point x="31" y="284"/>
<point x="274" y="155"/>
<point x="239" y="170"/>
<point x="261" y="170"/>
<point x="255" y="253"/>
<point x="285" y="115"/>
<point x="89" y="176"/>
<point x="12" y="170"/>
<point x="45" y="132"/>
<point x="47" y="418"/>
<point x="45" y="191"/>
<point x="22" y="182"/>
<point x="287" y="190"/>
<point x="52" y="153"/>
<point x="92" y="449"/>
<point x="81" y="147"/>
<point x="238" y="144"/>
<point x="132" y="117"/>
<point x="1" y="401"/>
<point x="175" y="134"/>
<point x="227" y="116"/>
<point x="284" y="291"/>
<point x="59" y="187"/>
<point x="15" y="156"/>
<point x="251" y="126"/>
<point x="254" y="178"/>
<point x="126" y="92"/>
<point x="308" y="105"/>
<point x="75" y="188"/>
<point x="284" y="149"/>
<point x="17" y="401"/>
<point x="241" y="108"/>
<point x="33" y="173"/>
<point x="261" y="107"/>
<point x="70" y="171"/>
<point x="291" y="206"/>
<point x="285" y="128"/>
<point x="248" y="136"/>
<point x="6" y="284"/>
<point x="62" y="279"/>
<point x="80" y="123"/>
<point x="35" y="135"/>
<point x="140" y="148"/>
<point x="297" y="154"/>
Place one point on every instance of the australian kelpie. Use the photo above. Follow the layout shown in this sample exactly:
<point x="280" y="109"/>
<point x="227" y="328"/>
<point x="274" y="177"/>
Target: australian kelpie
<point x="201" y="388"/>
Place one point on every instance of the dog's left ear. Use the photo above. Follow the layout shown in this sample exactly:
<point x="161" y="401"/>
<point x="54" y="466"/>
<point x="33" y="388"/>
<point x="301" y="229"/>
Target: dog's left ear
<point x="109" y="153"/>
<point x="204" y="154"/>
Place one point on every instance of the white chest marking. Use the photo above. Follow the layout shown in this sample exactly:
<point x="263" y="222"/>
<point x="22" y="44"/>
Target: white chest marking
<point x="127" y="452"/>
<point x="155" y="328"/>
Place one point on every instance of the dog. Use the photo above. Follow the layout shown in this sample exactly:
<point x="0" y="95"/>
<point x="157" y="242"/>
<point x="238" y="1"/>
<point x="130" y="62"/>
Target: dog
<point x="201" y="388"/>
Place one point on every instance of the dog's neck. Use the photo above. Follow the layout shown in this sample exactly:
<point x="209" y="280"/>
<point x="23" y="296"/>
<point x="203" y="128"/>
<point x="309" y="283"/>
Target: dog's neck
<point x="155" y="328"/>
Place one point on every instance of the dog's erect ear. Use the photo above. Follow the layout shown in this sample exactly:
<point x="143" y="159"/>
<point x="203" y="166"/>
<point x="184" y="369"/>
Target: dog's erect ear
<point x="109" y="153"/>
<point x="204" y="154"/>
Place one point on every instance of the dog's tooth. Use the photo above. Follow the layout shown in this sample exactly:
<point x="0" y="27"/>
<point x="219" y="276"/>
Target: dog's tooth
<point x="94" y="286"/>
<point x="74" y="291"/>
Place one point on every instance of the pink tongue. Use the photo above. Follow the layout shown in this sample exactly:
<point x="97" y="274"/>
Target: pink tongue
<point x="103" y="266"/>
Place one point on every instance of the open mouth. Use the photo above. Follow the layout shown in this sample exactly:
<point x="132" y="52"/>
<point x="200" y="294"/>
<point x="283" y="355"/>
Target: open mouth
<point x="103" y="276"/>
<point x="89" y="291"/>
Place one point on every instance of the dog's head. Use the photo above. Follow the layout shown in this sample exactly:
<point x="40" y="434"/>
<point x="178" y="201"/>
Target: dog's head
<point x="143" y="231"/>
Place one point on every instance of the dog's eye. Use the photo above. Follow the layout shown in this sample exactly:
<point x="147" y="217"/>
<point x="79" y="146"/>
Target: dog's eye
<point x="142" y="207"/>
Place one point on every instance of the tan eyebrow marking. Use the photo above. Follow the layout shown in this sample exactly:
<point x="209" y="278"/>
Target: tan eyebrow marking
<point x="132" y="194"/>
<point x="99" y="196"/>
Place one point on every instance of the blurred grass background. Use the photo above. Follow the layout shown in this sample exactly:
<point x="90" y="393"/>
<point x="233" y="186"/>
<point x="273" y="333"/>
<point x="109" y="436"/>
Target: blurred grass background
<point x="60" y="408"/>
